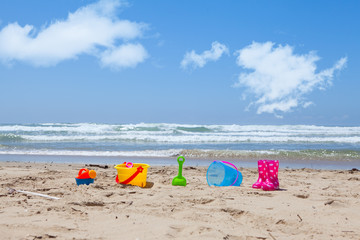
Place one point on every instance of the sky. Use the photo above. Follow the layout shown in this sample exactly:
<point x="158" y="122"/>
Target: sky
<point x="189" y="62"/>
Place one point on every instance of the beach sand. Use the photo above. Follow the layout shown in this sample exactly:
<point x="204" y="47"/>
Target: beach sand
<point x="312" y="204"/>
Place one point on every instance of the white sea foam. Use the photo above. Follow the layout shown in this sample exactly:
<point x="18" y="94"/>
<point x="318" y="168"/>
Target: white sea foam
<point x="194" y="138"/>
<point x="196" y="141"/>
<point x="46" y="152"/>
<point x="180" y="133"/>
<point x="328" y="155"/>
<point x="56" y="127"/>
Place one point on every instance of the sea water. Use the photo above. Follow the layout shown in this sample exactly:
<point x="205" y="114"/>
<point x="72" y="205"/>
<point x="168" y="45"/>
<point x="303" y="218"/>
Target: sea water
<point x="160" y="143"/>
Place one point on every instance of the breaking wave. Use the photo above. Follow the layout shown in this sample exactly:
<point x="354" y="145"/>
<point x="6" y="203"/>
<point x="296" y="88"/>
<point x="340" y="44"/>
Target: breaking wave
<point x="180" y="133"/>
<point x="196" y="141"/>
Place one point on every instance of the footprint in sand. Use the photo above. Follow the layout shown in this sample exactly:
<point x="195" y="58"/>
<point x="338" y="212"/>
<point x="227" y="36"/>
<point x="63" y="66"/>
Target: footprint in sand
<point x="176" y="228"/>
<point x="233" y="212"/>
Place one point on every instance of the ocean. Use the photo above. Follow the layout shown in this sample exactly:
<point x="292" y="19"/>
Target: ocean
<point x="160" y="143"/>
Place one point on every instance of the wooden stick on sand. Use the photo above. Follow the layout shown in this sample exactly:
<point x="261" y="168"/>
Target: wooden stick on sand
<point x="11" y="190"/>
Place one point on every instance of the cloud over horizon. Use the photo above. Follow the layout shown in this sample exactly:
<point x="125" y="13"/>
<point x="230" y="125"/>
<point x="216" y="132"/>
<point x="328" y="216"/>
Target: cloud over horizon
<point x="92" y="30"/>
<point x="279" y="79"/>
<point x="195" y="60"/>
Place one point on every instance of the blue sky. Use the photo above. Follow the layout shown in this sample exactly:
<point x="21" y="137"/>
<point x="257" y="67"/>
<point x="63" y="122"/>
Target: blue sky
<point x="198" y="62"/>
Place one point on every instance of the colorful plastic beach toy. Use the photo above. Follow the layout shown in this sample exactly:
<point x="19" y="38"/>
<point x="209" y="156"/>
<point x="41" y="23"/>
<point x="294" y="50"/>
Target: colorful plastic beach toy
<point x="85" y="176"/>
<point x="132" y="173"/>
<point x="220" y="174"/>
<point x="179" y="180"/>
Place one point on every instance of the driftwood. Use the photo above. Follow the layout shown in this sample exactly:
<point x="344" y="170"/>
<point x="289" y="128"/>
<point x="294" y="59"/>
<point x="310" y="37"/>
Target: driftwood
<point x="97" y="165"/>
<point x="12" y="190"/>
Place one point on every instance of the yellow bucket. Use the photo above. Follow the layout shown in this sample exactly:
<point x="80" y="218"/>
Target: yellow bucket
<point x="135" y="174"/>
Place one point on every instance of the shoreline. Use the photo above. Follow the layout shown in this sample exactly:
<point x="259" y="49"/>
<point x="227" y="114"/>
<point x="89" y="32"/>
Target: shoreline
<point x="312" y="204"/>
<point x="171" y="161"/>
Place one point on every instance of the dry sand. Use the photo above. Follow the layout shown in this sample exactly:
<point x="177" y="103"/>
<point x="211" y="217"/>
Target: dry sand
<point x="313" y="204"/>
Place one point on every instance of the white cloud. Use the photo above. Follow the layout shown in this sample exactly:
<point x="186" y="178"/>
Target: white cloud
<point x="199" y="60"/>
<point x="280" y="79"/>
<point x="127" y="55"/>
<point x="93" y="30"/>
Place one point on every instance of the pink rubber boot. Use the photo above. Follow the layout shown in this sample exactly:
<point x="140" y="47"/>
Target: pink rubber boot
<point x="262" y="168"/>
<point x="271" y="182"/>
<point x="274" y="175"/>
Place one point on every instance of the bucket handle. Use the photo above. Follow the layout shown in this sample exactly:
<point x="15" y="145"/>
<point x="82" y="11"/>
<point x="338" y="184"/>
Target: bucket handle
<point x="138" y="170"/>
<point x="237" y="176"/>
<point x="81" y="172"/>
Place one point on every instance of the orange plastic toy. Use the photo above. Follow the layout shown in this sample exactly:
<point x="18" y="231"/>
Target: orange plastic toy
<point x="85" y="173"/>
